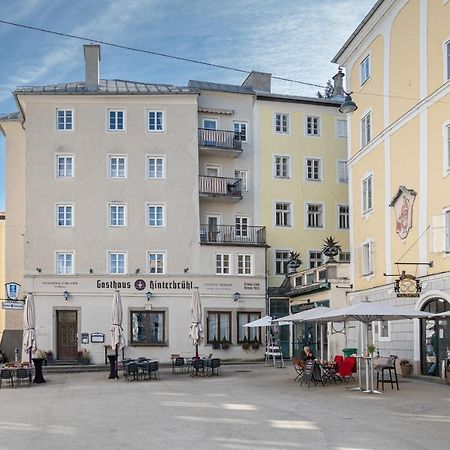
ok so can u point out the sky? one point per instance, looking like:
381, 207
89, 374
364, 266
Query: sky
293, 39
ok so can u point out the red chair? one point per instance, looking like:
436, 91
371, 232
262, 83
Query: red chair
344, 370
352, 361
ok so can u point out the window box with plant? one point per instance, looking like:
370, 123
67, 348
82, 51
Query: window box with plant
84, 357
245, 344
405, 368
215, 344
255, 344
225, 344
50, 359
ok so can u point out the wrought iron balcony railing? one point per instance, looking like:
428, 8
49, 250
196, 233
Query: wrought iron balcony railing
219, 139
232, 234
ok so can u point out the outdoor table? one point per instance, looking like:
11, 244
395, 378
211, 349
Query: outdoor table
328, 371
369, 367
113, 372
359, 387
38, 375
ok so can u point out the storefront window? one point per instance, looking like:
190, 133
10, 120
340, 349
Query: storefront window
245, 332
147, 327
219, 326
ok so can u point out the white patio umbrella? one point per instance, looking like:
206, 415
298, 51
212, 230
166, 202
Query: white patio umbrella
29, 324
196, 331
265, 321
444, 314
117, 339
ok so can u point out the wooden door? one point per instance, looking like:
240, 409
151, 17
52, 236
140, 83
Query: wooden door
66, 329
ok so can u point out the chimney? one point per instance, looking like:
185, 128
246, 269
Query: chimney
338, 79
259, 81
92, 66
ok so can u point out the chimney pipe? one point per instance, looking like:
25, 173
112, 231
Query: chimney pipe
338, 79
92, 66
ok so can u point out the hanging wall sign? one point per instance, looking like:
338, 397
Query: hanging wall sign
403, 207
12, 290
407, 286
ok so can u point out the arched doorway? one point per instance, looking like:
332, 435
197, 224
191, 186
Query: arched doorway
434, 337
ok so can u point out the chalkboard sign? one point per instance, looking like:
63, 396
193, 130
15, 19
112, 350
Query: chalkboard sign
311, 372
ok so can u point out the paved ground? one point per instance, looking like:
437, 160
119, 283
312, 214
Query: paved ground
249, 407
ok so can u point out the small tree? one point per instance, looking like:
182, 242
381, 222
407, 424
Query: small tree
327, 91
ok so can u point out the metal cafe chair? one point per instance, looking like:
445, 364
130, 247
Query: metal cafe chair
178, 363
23, 374
7, 375
214, 367
391, 369
153, 370
132, 370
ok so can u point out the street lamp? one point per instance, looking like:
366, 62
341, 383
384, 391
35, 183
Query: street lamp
236, 296
349, 105
66, 295
149, 295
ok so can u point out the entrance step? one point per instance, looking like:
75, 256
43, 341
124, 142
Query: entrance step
62, 362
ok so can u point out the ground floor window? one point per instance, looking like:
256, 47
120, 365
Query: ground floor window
147, 327
219, 326
244, 332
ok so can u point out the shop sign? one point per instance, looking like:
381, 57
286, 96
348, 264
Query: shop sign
97, 337
85, 338
12, 305
12, 290
407, 286
140, 284
403, 207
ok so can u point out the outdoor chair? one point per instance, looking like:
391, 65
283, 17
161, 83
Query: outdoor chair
6, 374
132, 370
214, 367
144, 370
299, 365
23, 374
352, 361
178, 363
153, 372
391, 369
198, 367
344, 370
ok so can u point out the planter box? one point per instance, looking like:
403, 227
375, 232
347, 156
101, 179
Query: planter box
406, 370
84, 361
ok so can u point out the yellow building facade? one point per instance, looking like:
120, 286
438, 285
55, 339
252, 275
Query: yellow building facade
2, 269
398, 68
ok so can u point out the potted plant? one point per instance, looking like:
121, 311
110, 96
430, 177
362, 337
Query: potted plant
49, 357
405, 367
215, 344
245, 344
371, 350
255, 344
294, 262
331, 248
39, 354
225, 344
84, 357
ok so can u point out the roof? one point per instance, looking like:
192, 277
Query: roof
10, 116
230, 88
298, 99
356, 32
120, 87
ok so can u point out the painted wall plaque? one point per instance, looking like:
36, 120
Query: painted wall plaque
403, 208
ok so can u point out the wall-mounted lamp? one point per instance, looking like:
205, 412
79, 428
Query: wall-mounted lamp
137, 270
236, 296
349, 105
186, 270
91, 270
39, 269
66, 295
149, 295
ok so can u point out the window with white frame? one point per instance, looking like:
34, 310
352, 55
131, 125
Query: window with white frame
367, 258
341, 127
313, 169
240, 131
64, 119
117, 263
366, 129
243, 175
244, 264
223, 263
447, 231
64, 263
116, 120
64, 166
155, 167
382, 330
64, 215
314, 215
282, 166
315, 258
364, 70
155, 215
312, 126
342, 172
117, 167
281, 123
344, 257
367, 194
156, 262
283, 214
117, 215
447, 59
156, 121
343, 217
281, 262
241, 226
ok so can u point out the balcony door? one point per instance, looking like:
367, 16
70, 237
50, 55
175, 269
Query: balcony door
210, 138
213, 227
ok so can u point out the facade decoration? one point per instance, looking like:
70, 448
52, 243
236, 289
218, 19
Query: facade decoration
403, 207
407, 286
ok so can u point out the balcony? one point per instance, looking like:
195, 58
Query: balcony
218, 142
220, 188
232, 235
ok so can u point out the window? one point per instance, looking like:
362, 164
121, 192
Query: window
366, 129
367, 258
117, 263
243, 175
155, 215
218, 326
447, 146
245, 264
117, 216
314, 215
156, 121
282, 166
364, 70
367, 194
117, 167
156, 262
64, 166
312, 126
147, 327
241, 229
240, 131
315, 258
245, 332
212, 171
64, 119
313, 169
341, 128
382, 330
64, 215
155, 165
223, 264
343, 217
447, 59
281, 262
64, 263
344, 257
283, 214
342, 172
116, 120
281, 123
